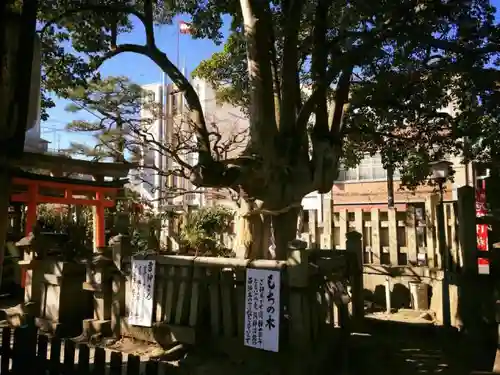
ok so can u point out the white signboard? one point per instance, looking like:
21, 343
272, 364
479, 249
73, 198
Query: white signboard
142, 289
262, 309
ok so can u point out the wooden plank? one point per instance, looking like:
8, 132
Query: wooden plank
17, 352
69, 357
375, 225
6, 350
182, 296
430, 214
151, 368
325, 306
83, 366
296, 326
343, 227
335, 312
195, 297
411, 235
47, 161
133, 364
240, 303
213, 262
116, 363
55, 356
42, 350
313, 228
169, 299
213, 290
226, 291
165, 368
446, 214
317, 315
159, 292
393, 237
453, 243
327, 215
358, 221
99, 367
306, 317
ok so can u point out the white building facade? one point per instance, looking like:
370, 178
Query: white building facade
227, 120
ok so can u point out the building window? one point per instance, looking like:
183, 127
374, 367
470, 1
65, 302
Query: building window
174, 104
369, 169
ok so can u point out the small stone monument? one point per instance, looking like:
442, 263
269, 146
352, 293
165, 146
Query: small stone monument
100, 272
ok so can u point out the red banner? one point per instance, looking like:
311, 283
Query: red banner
482, 229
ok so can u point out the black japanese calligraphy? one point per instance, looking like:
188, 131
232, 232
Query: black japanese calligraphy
270, 322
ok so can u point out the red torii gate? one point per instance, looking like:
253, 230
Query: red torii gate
70, 191
33, 189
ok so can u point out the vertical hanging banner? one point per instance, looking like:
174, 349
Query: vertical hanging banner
141, 289
483, 264
262, 309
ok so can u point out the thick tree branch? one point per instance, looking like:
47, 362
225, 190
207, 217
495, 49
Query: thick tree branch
289, 66
257, 26
275, 72
341, 99
148, 23
182, 83
319, 69
449, 46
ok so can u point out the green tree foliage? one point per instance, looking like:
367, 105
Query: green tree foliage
404, 78
323, 79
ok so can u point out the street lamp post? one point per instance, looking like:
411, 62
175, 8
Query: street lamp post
440, 171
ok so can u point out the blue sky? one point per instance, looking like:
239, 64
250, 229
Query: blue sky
138, 68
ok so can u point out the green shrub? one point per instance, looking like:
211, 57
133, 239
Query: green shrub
203, 229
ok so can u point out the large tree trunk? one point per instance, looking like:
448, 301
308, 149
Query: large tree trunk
256, 227
252, 232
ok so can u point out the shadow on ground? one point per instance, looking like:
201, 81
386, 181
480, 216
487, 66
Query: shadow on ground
397, 348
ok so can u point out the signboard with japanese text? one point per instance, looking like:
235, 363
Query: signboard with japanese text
482, 229
262, 309
141, 290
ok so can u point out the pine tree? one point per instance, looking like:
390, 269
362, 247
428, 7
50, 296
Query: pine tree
114, 105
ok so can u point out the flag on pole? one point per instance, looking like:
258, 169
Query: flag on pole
185, 27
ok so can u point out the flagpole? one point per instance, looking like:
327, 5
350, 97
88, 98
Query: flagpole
178, 43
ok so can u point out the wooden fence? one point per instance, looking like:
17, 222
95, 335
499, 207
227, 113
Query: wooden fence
204, 297
393, 237
25, 352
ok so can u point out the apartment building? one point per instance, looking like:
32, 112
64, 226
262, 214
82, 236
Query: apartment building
172, 124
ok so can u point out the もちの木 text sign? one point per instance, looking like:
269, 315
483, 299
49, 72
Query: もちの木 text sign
141, 290
262, 309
